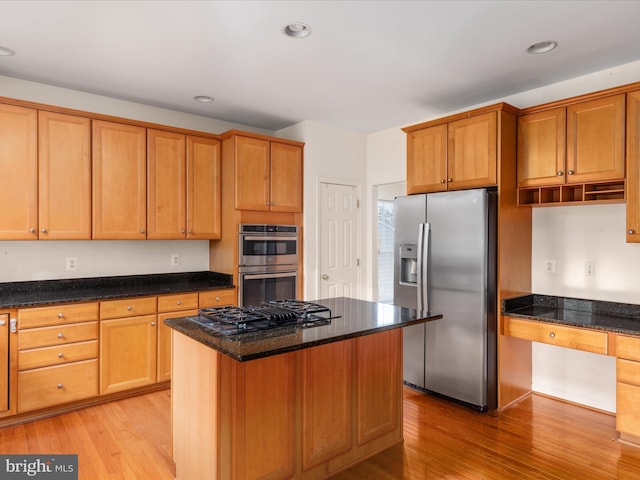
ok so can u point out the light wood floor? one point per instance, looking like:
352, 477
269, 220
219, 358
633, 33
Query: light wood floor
540, 438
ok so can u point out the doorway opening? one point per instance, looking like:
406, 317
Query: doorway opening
386, 195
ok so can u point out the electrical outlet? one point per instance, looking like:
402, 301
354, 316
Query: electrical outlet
590, 269
550, 266
175, 260
72, 264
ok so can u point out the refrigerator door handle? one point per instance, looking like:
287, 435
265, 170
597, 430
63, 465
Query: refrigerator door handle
423, 270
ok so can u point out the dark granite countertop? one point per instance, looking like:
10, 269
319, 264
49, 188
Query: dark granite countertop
357, 318
49, 292
607, 316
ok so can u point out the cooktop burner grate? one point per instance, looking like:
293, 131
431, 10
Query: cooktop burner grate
231, 320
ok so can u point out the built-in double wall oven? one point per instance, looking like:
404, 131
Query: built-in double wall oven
267, 263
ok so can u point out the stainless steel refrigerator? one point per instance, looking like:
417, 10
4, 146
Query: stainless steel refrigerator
445, 262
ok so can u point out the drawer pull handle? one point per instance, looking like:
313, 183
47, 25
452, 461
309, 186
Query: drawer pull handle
61, 355
60, 385
552, 335
129, 308
61, 335
60, 315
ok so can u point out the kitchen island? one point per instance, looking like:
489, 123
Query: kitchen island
297, 403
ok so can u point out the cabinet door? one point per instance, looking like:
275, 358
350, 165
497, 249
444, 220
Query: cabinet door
119, 181
4, 363
286, 178
127, 353
166, 187
633, 167
427, 160
203, 188
595, 140
164, 343
252, 173
19, 167
541, 148
472, 152
64, 177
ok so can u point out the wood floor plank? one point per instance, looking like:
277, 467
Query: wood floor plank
538, 439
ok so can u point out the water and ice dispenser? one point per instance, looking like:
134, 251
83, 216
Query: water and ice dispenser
409, 264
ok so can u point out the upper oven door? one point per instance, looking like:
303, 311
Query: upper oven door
267, 249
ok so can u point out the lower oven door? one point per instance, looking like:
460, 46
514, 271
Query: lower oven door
257, 287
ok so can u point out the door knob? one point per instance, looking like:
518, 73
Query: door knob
325, 276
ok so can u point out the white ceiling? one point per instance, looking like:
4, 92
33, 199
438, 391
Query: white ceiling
367, 66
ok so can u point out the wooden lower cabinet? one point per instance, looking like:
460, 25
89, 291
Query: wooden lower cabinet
628, 387
4, 362
305, 414
128, 353
218, 298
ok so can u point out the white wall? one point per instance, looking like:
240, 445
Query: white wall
568, 234
335, 155
44, 260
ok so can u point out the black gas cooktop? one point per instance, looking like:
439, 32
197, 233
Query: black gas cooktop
233, 321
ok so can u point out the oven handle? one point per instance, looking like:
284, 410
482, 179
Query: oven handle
268, 237
258, 276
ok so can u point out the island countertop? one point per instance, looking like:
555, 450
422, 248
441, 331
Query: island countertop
355, 318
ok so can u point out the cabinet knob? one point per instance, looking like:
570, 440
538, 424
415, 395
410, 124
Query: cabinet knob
60, 385
449, 180
570, 172
325, 276
129, 308
179, 302
217, 299
32, 230
61, 355
182, 231
2, 323
631, 231
60, 315
190, 232
267, 203
44, 230
552, 335
153, 324
560, 173
142, 230
61, 335
442, 180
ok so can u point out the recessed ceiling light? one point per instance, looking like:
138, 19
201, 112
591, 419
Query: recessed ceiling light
297, 30
203, 99
542, 47
6, 52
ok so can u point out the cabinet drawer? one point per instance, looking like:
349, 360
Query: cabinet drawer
628, 371
129, 307
218, 298
58, 315
173, 303
59, 335
552, 334
628, 347
627, 411
44, 387
48, 356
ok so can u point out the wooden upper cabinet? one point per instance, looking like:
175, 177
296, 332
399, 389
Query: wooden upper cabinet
541, 148
252, 173
64, 166
203, 188
268, 175
19, 167
633, 167
119, 181
472, 152
595, 140
166, 186
285, 178
427, 160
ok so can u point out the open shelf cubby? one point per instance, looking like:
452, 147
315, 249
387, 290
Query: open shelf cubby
594, 192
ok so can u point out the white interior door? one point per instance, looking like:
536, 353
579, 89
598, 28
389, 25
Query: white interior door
339, 229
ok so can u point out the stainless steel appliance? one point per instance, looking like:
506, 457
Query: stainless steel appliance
274, 314
267, 263
445, 262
